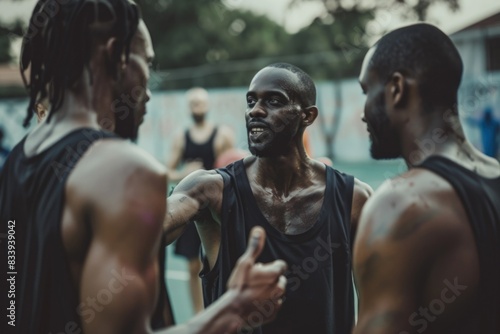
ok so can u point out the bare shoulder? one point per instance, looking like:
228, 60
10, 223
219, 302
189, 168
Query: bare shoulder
114, 173
416, 204
116, 160
362, 191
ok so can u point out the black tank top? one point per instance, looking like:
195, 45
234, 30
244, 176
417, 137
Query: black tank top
204, 151
319, 297
481, 199
32, 191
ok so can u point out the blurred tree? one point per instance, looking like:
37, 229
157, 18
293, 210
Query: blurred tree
7, 33
208, 36
410, 9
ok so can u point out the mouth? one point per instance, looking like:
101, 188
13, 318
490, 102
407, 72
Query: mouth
258, 133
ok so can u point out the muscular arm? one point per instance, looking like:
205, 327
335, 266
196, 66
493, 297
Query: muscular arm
119, 278
200, 193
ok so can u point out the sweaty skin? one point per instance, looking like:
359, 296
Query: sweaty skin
415, 249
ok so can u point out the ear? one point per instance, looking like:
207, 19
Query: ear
309, 114
112, 50
398, 89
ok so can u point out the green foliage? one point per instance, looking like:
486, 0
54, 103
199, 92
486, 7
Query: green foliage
7, 33
206, 35
340, 43
5, 56
410, 9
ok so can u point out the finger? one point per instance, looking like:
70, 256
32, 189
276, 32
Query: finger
255, 244
279, 291
267, 273
282, 283
245, 263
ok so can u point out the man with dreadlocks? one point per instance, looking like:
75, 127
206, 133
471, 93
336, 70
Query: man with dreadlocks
85, 207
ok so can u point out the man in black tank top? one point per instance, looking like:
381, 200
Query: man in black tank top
308, 210
83, 209
427, 254
197, 147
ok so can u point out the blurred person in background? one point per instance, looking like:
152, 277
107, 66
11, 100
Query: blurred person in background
198, 147
427, 253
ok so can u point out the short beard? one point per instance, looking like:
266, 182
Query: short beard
384, 137
277, 145
125, 122
198, 119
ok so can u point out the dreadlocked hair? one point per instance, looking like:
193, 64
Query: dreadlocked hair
58, 44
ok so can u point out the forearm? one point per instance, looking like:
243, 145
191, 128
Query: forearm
180, 211
220, 317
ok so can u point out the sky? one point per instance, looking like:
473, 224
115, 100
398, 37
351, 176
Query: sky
299, 17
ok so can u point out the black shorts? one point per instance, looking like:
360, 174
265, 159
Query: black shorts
188, 245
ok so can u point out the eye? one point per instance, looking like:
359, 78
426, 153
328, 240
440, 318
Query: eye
275, 101
250, 101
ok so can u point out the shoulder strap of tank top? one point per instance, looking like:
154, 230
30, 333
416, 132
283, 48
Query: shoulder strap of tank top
212, 137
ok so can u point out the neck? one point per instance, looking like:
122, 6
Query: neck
77, 107
285, 172
433, 133
103, 102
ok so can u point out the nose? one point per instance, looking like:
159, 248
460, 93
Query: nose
148, 94
363, 117
256, 111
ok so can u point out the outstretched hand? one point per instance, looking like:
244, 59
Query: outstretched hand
260, 287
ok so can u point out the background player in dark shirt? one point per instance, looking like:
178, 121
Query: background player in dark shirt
196, 148
427, 254
296, 198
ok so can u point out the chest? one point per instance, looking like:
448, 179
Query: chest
294, 213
